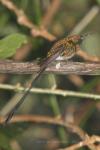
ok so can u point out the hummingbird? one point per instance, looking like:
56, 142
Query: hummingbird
63, 49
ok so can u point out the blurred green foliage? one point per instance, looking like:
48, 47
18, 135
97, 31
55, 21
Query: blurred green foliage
4, 142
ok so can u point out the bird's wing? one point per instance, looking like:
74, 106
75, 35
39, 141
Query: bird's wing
52, 55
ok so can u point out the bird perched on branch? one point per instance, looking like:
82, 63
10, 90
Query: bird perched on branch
63, 49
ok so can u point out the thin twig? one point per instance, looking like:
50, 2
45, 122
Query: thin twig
52, 91
80, 68
88, 57
86, 20
46, 119
22, 19
87, 140
50, 13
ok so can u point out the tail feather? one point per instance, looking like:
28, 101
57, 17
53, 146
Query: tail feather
25, 93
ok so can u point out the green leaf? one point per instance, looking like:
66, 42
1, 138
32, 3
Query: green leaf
10, 44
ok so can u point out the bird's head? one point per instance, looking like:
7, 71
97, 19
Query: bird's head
78, 39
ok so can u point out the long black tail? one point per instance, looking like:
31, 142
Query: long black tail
25, 93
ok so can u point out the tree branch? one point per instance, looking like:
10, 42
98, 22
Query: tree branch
52, 91
86, 139
22, 19
79, 68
